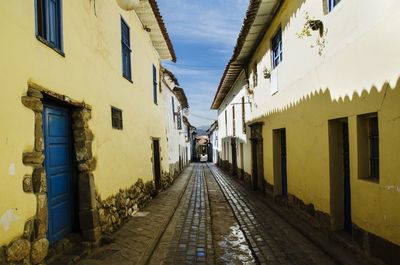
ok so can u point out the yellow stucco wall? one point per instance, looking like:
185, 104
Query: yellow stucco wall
357, 73
91, 71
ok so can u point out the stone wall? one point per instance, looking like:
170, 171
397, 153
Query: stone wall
118, 208
306, 212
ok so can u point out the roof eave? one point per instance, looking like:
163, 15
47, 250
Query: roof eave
240, 57
158, 32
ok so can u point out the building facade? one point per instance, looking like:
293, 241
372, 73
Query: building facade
322, 130
177, 124
82, 120
212, 133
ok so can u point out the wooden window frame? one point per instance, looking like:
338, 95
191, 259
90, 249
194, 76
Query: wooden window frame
368, 147
126, 51
49, 26
173, 107
243, 116
373, 147
116, 118
226, 123
276, 48
233, 121
255, 75
155, 85
332, 4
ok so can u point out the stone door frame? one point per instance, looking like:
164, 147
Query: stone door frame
36, 183
257, 156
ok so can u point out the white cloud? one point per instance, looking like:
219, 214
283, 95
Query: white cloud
199, 29
211, 21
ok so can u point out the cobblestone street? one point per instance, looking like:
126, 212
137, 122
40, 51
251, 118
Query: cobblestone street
207, 218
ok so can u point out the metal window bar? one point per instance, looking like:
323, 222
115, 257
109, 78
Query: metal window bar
373, 147
116, 116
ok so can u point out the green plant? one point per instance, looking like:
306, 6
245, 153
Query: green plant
312, 24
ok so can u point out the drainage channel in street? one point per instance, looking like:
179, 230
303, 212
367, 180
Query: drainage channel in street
203, 229
271, 238
188, 237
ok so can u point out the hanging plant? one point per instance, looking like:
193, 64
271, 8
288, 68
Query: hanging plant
311, 24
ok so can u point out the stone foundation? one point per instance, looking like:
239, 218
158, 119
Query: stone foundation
118, 208
376, 246
306, 212
174, 169
247, 179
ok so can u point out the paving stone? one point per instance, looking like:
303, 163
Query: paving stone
262, 227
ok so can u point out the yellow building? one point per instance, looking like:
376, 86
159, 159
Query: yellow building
321, 83
82, 124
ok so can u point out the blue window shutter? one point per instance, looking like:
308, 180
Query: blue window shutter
277, 52
173, 108
155, 84
332, 4
49, 22
53, 25
126, 51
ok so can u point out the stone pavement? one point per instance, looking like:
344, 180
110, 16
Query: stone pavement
135, 241
207, 218
272, 239
191, 242
203, 229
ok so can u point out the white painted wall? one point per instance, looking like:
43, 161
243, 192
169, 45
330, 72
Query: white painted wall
225, 130
177, 139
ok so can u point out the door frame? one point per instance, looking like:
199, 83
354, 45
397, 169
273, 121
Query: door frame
241, 151
257, 157
234, 157
280, 162
81, 114
156, 172
340, 202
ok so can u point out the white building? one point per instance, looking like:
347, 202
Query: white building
177, 125
232, 133
213, 153
319, 85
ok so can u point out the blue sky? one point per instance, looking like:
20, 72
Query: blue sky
203, 33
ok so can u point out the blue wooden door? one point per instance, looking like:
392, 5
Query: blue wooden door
57, 139
283, 163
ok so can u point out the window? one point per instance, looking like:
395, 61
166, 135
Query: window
126, 51
49, 23
368, 146
155, 85
116, 118
373, 137
243, 117
226, 123
277, 48
179, 121
173, 108
255, 75
332, 4
233, 121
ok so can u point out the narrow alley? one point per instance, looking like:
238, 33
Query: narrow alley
207, 218
200, 132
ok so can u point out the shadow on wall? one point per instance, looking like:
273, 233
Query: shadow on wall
310, 183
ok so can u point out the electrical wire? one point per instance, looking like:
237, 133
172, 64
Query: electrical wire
189, 66
201, 117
